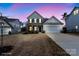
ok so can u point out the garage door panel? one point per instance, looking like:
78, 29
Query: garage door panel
52, 28
5, 31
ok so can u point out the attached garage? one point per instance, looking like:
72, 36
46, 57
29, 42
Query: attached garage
5, 26
6, 30
52, 25
52, 28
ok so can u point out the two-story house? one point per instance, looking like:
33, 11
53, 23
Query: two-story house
35, 23
72, 20
52, 25
16, 24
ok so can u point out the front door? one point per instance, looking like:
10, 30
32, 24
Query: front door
40, 28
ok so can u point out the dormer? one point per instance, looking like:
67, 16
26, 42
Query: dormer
76, 11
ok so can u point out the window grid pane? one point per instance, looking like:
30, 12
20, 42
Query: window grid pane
76, 12
30, 21
35, 20
35, 28
30, 28
39, 20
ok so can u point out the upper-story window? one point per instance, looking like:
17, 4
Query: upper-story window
35, 20
76, 12
30, 20
39, 20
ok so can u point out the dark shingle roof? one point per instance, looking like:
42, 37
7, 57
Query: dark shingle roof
72, 11
50, 21
11, 19
5, 19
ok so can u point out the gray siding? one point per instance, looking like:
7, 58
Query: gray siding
5, 30
71, 22
6, 27
16, 26
36, 16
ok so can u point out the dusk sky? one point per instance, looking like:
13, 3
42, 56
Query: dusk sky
23, 10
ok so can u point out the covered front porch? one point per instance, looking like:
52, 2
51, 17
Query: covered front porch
35, 29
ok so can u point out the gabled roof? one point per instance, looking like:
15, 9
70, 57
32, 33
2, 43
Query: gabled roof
12, 19
72, 11
4, 18
45, 19
33, 13
53, 21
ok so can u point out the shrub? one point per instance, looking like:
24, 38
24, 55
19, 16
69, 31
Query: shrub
64, 30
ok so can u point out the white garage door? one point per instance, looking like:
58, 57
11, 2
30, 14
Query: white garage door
52, 28
5, 31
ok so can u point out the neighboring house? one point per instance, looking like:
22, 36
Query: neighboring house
6, 27
52, 25
72, 20
10, 25
16, 24
22, 24
35, 22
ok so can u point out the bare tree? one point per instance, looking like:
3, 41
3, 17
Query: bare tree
64, 16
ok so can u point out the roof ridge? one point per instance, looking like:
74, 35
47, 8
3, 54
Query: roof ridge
7, 22
36, 13
72, 11
56, 19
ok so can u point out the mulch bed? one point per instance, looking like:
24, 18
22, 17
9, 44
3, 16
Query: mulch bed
5, 50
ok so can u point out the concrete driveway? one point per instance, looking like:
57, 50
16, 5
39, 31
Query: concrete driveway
70, 43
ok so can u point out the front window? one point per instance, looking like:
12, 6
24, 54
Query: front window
30, 28
39, 20
76, 12
35, 28
76, 27
35, 20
